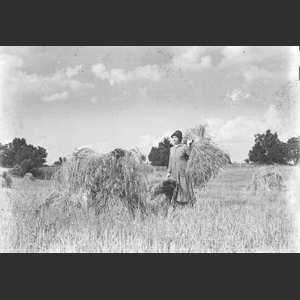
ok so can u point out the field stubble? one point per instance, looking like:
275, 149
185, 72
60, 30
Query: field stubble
224, 219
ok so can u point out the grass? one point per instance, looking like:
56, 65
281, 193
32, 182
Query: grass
225, 219
5, 223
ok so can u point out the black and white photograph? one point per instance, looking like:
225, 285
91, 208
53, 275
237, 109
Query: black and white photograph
149, 149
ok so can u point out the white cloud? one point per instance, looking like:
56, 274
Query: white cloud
272, 117
54, 154
253, 72
244, 57
100, 71
118, 75
57, 96
233, 51
237, 135
4, 140
150, 72
60, 78
9, 62
242, 129
72, 71
94, 99
239, 129
14, 80
214, 124
205, 62
240, 56
148, 141
190, 60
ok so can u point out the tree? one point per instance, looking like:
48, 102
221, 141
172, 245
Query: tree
36, 155
268, 149
17, 151
3, 148
154, 157
293, 149
159, 156
11, 150
60, 161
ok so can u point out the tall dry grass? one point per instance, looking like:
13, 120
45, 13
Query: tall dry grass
224, 219
100, 178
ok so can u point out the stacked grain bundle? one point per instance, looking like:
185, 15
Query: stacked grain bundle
169, 188
6, 180
206, 158
119, 173
265, 180
28, 177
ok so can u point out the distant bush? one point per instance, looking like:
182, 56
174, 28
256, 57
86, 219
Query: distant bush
15, 171
26, 166
20, 170
44, 172
37, 172
147, 168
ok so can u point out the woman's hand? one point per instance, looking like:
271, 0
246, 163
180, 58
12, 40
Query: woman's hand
190, 142
168, 175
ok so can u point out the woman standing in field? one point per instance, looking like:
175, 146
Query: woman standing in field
179, 155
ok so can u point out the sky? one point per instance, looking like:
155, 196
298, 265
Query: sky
65, 98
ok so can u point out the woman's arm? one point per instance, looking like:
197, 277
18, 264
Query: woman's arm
188, 147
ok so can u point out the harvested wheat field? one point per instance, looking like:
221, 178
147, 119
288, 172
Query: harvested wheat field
5, 217
224, 119
226, 218
5, 222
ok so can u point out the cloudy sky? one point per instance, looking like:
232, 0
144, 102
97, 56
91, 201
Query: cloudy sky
62, 98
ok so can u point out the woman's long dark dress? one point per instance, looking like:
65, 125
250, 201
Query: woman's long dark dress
179, 155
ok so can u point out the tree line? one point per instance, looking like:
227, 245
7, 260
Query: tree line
23, 157
267, 150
